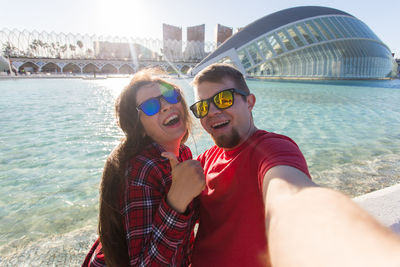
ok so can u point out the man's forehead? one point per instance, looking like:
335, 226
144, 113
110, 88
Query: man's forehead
207, 89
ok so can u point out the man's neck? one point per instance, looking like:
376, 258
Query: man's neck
249, 134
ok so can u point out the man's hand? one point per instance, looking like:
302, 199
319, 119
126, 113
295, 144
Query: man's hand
188, 181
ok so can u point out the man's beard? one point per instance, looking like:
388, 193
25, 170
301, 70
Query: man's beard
227, 141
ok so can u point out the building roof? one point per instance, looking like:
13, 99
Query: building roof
271, 22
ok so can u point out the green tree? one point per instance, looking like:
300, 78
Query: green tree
79, 44
10, 50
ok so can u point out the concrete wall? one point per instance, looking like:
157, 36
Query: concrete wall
384, 205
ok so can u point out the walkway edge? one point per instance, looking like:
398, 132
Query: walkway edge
384, 205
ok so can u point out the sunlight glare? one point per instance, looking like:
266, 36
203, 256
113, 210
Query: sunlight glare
127, 18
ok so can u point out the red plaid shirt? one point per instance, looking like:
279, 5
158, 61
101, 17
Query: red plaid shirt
156, 234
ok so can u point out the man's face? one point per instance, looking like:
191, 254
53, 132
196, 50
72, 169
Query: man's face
228, 127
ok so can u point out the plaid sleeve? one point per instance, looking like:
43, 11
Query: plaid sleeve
154, 230
95, 257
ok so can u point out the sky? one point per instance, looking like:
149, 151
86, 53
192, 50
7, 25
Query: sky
144, 18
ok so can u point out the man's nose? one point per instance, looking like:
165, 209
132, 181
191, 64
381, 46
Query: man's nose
212, 109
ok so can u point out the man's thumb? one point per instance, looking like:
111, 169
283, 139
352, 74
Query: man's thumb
172, 158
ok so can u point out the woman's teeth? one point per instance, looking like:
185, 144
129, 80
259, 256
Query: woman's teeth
171, 120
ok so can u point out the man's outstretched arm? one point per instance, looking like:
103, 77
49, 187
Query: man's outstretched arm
308, 225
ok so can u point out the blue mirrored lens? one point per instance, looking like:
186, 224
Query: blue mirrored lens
172, 96
150, 107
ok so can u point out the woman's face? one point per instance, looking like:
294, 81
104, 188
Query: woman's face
167, 127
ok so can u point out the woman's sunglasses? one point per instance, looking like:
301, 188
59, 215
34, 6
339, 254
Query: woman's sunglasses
152, 105
221, 100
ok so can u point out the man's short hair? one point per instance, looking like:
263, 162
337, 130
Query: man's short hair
218, 72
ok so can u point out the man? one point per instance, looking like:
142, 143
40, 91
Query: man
232, 218
260, 207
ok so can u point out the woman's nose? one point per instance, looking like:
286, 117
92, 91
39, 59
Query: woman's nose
165, 105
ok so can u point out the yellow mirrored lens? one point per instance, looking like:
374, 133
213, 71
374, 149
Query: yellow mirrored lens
224, 99
202, 108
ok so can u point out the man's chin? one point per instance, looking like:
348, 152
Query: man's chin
227, 141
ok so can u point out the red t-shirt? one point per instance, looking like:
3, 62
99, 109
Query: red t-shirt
232, 217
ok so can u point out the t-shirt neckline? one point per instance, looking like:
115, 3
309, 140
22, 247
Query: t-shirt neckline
234, 152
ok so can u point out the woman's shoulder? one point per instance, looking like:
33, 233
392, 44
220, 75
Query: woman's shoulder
147, 168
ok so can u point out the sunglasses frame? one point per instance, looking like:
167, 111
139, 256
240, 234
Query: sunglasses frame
158, 98
211, 99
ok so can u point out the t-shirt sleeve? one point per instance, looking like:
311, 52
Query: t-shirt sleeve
281, 151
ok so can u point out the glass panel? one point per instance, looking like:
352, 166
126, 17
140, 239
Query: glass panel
355, 47
275, 45
314, 61
340, 27
347, 26
313, 31
244, 59
352, 26
305, 34
262, 44
360, 30
332, 28
286, 42
275, 67
302, 63
310, 62
323, 60
363, 50
370, 33
295, 37
318, 61
294, 64
328, 35
226, 60
279, 67
255, 55
286, 66
266, 69
289, 65
301, 37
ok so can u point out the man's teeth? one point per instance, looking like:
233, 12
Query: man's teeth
173, 117
219, 124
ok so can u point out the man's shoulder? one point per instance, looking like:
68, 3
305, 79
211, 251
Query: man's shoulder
211, 151
262, 136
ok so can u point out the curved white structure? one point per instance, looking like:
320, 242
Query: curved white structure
4, 66
306, 42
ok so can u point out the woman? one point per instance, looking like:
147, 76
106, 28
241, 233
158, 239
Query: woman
145, 217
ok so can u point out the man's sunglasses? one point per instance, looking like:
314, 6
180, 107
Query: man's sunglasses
221, 100
152, 105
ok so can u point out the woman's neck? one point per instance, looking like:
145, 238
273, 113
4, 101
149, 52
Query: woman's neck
172, 147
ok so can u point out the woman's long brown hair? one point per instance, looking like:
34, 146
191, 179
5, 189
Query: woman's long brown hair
112, 187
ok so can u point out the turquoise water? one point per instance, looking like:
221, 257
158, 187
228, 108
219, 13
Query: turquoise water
55, 135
